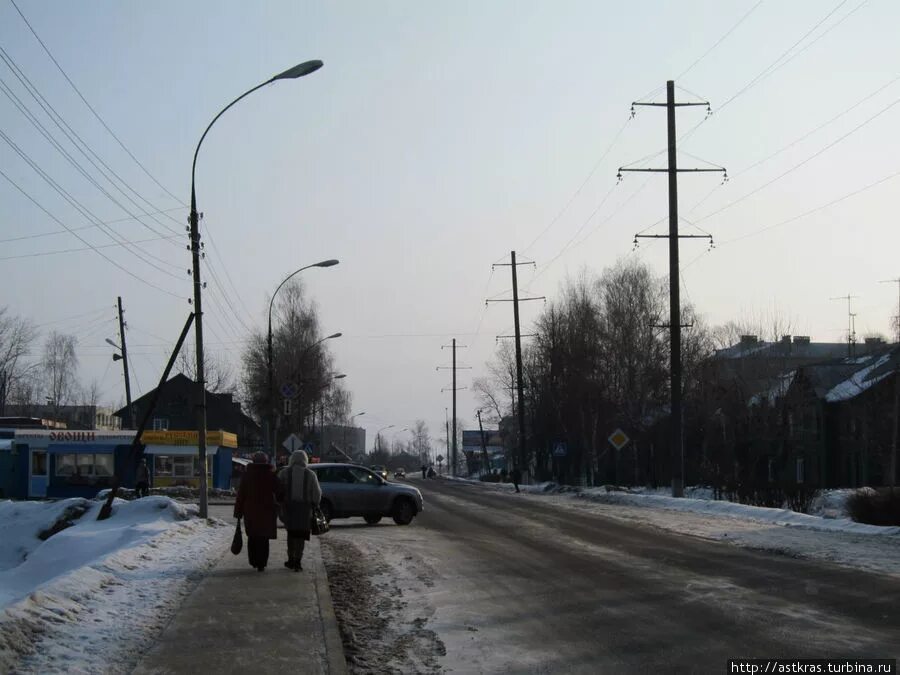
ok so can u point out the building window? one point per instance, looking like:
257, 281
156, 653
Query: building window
800, 469
38, 463
87, 465
160, 424
179, 466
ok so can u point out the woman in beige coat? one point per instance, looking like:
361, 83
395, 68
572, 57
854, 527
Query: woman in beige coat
301, 491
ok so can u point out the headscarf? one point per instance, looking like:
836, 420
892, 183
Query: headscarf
297, 466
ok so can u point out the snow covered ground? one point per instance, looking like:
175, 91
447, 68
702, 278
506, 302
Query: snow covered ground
827, 535
93, 596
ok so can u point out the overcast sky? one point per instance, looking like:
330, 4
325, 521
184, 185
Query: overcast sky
438, 137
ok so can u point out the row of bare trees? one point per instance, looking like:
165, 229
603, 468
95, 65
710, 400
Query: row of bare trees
31, 376
599, 361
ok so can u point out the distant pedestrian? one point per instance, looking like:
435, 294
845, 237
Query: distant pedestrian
424, 470
256, 504
300, 491
142, 479
516, 476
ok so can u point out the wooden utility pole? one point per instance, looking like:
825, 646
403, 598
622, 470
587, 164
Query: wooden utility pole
451, 445
520, 386
129, 412
675, 326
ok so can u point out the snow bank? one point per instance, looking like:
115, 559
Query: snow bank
94, 595
828, 511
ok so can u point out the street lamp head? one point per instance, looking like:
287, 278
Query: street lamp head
110, 341
339, 377
327, 263
117, 357
299, 70
334, 335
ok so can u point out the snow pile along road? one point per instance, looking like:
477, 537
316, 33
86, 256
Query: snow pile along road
81, 595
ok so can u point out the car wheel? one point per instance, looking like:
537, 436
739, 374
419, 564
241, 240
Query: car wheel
372, 520
326, 510
404, 511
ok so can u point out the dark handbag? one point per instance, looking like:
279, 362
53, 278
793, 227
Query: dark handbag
238, 542
317, 523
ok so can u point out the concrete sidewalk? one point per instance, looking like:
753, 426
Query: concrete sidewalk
241, 620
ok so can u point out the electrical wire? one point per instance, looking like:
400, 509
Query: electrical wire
719, 41
813, 210
580, 187
84, 211
90, 107
805, 161
85, 242
41, 254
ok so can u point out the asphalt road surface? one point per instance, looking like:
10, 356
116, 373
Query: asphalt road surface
511, 584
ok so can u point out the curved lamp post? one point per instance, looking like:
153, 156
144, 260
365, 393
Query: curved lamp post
351, 424
291, 73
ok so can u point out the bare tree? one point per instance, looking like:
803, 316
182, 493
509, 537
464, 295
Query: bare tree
60, 369
421, 441
16, 337
217, 370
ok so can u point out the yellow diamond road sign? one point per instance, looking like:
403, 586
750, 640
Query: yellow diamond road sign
618, 438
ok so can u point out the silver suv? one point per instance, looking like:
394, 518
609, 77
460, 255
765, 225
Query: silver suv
350, 490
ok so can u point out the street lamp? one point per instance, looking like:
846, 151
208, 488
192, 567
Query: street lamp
194, 219
351, 424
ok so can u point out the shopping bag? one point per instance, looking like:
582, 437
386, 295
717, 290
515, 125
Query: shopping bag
238, 542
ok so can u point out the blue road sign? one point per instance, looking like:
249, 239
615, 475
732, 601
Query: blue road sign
560, 449
308, 448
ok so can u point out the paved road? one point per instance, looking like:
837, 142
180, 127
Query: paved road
560, 591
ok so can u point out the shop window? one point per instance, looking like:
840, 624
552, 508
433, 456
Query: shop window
183, 467
162, 465
65, 465
104, 465
160, 424
38, 463
84, 465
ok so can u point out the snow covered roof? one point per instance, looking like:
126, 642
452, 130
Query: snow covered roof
776, 391
874, 372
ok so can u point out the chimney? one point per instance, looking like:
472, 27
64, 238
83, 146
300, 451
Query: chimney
749, 339
874, 341
785, 339
801, 339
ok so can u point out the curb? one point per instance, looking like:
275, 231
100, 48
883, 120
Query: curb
334, 646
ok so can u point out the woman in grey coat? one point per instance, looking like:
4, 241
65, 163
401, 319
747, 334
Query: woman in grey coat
301, 491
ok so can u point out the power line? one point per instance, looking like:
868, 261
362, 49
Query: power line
84, 211
72, 136
719, 41
41, 254
25, 237
90, 107
796, 141
85, 242
813, 210
805, 161
126, 149
580, 187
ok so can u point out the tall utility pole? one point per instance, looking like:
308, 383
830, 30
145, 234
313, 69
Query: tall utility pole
484, 452
851, 328
451, 445
675, 326
520, 387
129, 413
892, 478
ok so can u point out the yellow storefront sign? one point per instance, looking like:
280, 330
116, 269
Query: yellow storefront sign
223, 439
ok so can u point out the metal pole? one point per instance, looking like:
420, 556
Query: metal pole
271, 416
519, 385
129, 411
453, 452
674, 304
198, 327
